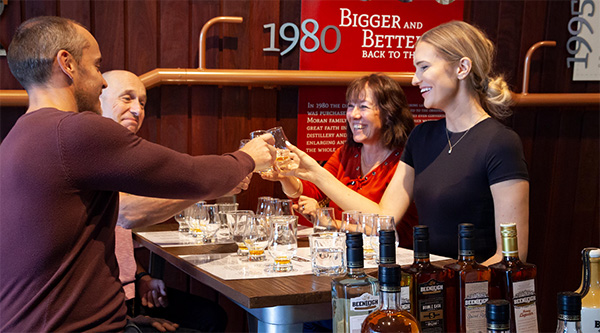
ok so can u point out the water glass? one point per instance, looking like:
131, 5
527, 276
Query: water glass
328, 253
256, 239
325, 220
241, 219
226, 218
282, 241
351, 221
257, 133
210, 222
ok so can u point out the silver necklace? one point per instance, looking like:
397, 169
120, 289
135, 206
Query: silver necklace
448, 136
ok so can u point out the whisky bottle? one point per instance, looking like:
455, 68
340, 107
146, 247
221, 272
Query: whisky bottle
569, 312
389, 316
590, 290
428, 280
514, 281
467, 287
387, 255
354, 295
497, 313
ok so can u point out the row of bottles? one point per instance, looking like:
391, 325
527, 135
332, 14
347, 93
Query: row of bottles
437, 299
463, 296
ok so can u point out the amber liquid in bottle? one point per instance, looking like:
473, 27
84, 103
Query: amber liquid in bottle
514, 281
389, 316
467, 287
428, 292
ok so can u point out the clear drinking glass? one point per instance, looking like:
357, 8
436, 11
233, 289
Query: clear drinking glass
264, 205
226, 218
195, 213
181, 218
242, 217
351, 221
256, 239
368, 228
210, 222
243, 142
283, 162
282, 241
284, 207
256, 134
328, 253
325, 220
382, 222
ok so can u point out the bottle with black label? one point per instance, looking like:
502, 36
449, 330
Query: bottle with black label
428, 280
356, 294
467, 289
590, 290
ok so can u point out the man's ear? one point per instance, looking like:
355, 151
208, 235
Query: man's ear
464, 68
66, 62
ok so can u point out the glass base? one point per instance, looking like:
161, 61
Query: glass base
261, 257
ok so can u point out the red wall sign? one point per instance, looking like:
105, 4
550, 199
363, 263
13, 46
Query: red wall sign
353, 35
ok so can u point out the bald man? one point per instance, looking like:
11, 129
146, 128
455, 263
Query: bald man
124, 101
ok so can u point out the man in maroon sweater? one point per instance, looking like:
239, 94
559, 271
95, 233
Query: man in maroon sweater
61, 169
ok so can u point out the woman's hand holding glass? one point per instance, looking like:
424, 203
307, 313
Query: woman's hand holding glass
307, 167
282, 241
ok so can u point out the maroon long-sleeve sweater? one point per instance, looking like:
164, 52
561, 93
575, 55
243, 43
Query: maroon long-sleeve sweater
60, 174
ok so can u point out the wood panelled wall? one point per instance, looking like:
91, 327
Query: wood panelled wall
561, 143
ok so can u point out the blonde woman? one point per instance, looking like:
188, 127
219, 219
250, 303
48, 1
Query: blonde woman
465, 168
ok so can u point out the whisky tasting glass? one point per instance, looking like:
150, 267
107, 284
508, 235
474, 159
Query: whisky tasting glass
382, 222
351, 221
243, 142
256, 134
241, 220
283, 162
282, 241
194, 214
256, 239
328, 253
265, 206
226, 218
284, 207
181, 218
325, 220
210, 222
367, 223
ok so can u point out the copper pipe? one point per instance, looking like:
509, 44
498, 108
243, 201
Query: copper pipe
251, 77
567, 99
13, 98
202, 39
269, 78
527, 63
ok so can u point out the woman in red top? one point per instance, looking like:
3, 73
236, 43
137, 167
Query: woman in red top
378, 124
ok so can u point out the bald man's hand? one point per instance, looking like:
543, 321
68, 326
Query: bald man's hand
262, 151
